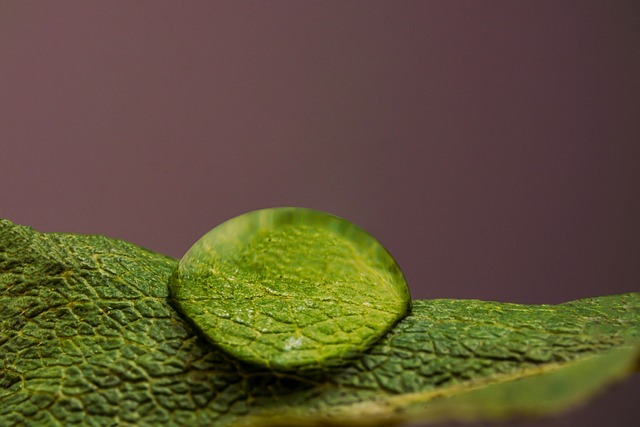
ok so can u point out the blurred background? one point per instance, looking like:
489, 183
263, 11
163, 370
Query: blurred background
493, 147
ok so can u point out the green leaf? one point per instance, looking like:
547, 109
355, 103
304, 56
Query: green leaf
290, 288
87, 336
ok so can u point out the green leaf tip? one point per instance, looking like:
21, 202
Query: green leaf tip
290, 288
88, 337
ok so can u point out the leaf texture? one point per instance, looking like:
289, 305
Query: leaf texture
88, 336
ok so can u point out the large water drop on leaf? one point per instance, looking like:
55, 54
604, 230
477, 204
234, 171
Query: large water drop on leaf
290, 288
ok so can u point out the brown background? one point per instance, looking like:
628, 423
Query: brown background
493, 147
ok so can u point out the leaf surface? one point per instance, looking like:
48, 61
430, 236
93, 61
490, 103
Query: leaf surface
87, 336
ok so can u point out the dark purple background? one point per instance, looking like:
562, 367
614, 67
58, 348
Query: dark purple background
493, 147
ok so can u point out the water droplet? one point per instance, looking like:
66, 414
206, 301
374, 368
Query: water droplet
298, 273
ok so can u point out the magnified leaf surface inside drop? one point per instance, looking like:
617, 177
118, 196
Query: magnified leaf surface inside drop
290, 288
88, 337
